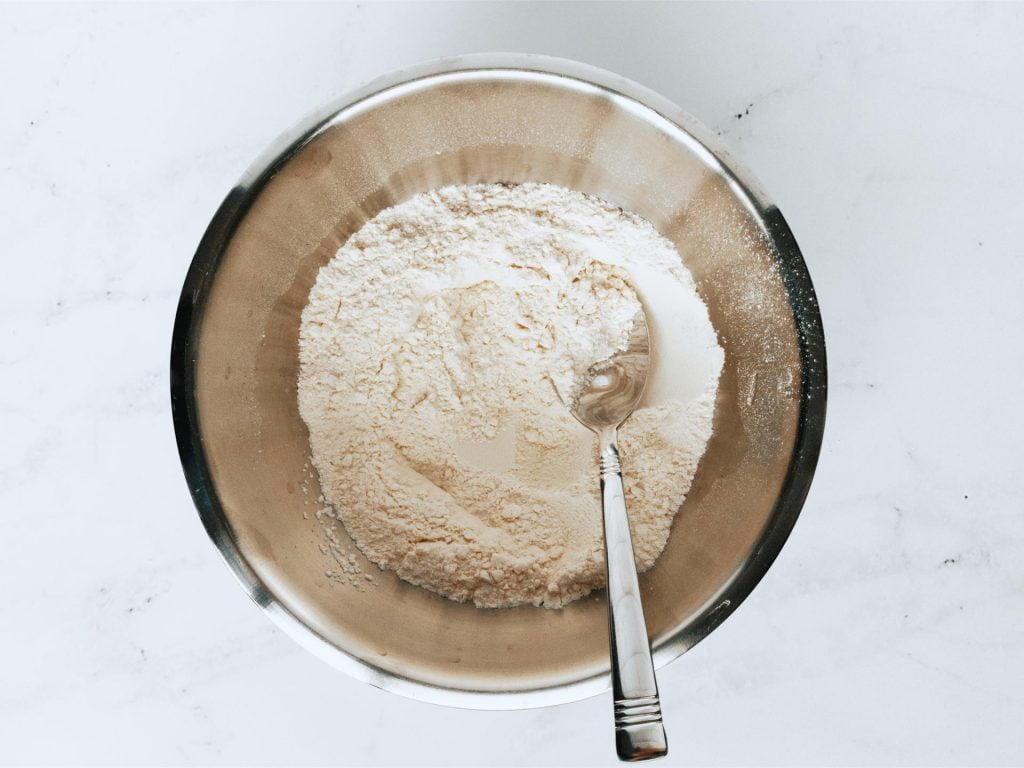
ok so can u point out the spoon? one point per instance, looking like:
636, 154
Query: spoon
605, 398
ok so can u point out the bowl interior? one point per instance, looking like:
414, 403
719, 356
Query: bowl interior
458, 128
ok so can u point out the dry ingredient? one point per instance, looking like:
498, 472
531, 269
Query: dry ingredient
427, 352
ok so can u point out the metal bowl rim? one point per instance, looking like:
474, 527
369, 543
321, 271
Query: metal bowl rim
811, 418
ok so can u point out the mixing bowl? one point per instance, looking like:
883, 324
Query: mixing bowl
490, 118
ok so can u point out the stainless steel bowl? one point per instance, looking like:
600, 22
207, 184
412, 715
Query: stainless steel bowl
486, 119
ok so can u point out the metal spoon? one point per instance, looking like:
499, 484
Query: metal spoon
609, 394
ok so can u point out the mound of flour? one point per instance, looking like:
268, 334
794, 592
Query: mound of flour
427, 355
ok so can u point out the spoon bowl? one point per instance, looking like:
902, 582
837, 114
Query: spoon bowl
611, 389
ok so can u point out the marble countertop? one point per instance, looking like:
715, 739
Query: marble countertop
891, 628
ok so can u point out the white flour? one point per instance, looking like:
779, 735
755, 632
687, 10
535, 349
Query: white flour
425, 354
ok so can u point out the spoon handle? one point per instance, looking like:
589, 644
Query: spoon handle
639, 732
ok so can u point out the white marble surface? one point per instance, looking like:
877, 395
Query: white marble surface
891, 629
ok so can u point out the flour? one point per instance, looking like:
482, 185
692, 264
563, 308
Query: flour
427, 355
